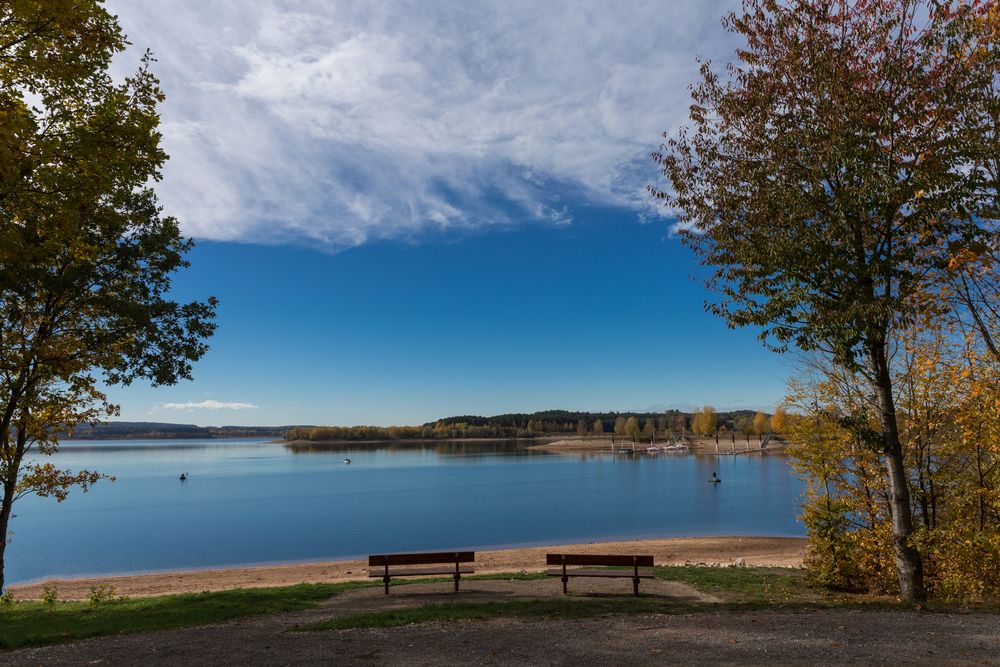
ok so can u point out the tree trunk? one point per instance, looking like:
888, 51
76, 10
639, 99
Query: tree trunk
5, 508
909, 568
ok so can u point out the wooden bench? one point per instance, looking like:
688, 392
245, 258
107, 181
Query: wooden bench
388, 565
640, 567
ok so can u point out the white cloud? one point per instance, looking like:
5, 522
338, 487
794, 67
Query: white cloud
339, 123
208, 405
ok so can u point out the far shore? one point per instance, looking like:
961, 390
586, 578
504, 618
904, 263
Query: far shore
570, 443
700, 445
411, 441
715, 551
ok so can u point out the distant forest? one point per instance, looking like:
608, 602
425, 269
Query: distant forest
546, 423
149, 430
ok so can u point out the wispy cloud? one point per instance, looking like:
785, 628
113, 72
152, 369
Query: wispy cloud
339, 123
208, 405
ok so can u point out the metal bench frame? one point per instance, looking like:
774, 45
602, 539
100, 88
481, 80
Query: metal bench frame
378, 565
634, 562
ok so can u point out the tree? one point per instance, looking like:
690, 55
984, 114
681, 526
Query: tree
948, 406
761, 423
632, 428
745, 426
581, 427
704, 421
598, 426
678, 423
620, 425
779, 420
825, 177
968, 285
86, 257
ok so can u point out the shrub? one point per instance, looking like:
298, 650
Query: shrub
50, 594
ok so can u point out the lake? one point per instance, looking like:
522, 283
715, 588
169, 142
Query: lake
251, 502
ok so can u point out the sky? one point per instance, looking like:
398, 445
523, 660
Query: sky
410, 210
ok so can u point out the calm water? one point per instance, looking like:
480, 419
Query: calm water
248, 501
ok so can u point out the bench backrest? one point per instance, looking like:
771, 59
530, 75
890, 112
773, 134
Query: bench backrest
383, 560
594, 559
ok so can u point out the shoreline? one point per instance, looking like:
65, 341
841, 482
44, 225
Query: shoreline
725, 446
710, 551
409, 441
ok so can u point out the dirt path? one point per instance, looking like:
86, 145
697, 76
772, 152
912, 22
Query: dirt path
824, 637
762, 551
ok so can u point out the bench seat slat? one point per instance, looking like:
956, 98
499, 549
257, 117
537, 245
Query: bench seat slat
418, 571
644, 573
597, 559
422, 558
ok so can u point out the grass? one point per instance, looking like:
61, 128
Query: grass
34, 623
738, 588
750, 585
550, 608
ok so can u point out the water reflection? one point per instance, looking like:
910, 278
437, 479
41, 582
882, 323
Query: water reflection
512, 447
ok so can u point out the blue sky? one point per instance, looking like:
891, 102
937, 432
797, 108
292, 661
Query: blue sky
414, 210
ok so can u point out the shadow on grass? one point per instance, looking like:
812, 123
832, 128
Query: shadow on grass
740, 589
34, 623
25, 624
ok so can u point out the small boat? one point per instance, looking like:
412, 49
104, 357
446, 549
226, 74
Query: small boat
653, 450
715, 479
347, 461
184, 476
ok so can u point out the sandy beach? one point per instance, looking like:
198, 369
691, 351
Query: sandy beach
759, 551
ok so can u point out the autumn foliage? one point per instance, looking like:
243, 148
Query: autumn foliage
86, 255
840, 180
949, 413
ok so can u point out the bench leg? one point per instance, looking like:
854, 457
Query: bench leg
635, 585
385, 580
564, 580
457, 576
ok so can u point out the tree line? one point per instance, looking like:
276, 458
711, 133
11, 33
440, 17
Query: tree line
559, 423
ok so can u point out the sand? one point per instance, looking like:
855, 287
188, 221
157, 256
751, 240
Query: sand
752, 551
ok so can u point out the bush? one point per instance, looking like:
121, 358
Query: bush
50, 595
102, 594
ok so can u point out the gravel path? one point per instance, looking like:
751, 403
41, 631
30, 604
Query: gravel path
823, 637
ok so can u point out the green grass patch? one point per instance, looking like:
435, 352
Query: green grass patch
747, 585
34, 623
738, 588
553, 608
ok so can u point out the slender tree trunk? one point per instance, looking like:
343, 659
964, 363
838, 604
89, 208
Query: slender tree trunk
981, 485
5, 508
909, 568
